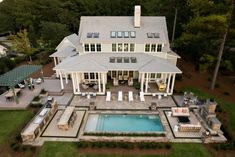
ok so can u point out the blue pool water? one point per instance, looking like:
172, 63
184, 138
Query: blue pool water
128, 123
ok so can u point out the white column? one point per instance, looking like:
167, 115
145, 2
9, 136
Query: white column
173, 83
66, 78
168, 83
61, 80
78, 82
146, 82
142, 82
99, 82
139, 77
73, 79
55, 61
103, 82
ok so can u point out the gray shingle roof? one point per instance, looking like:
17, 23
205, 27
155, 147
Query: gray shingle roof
95, 62
68, 51
105, 24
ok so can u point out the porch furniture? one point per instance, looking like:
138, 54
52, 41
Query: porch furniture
130, 81
108, 96
115, 82
84, 86
21, 85
159, 96
95, 87
125, 77
180, 111
161, 85
130, 95
142, 99
9, 94
66, 118
38, 81
120, 77
120, 96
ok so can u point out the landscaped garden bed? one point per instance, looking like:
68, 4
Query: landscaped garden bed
43, 93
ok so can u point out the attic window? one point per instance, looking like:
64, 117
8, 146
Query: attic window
132, 34
126, 60
126, 34
119, 59
150, 35
96, 35
133, 60
112, 59
119, 34
156, 35
89, 35
113, 34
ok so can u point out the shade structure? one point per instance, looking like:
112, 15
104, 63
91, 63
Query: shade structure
18, 74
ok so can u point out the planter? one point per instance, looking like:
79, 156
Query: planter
43, 94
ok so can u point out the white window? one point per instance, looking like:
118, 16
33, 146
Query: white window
152, 75
114, 47
147, 47
159, 48
86, 47
158, 75
98, 47
92, 47
132, 47
153, 48
126, 47
92, 76
120, 47
86, 76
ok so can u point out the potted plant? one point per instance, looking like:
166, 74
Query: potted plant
43, 93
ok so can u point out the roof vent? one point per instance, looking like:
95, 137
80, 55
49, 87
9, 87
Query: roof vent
137, 16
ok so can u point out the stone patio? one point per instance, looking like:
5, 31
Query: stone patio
52, 129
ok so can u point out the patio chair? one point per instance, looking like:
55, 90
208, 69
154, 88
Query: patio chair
115, 81
142, 99
130, 94
120, 96
84, 86
38, 81
108, 96
21, 85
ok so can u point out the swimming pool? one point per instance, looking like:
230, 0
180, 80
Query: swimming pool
123, 123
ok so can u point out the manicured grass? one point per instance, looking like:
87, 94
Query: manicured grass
229, 107
61, 149
10, 121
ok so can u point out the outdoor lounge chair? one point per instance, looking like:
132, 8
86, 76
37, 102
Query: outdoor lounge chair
108, 96
21, 85
142, 99
120, 96
130, 94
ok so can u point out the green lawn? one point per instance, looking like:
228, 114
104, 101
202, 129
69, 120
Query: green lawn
10, 121
61, 149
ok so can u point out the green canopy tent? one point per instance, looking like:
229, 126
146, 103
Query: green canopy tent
18, 74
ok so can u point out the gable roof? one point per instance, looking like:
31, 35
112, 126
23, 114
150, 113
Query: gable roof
73, 39
105, 24
67, 51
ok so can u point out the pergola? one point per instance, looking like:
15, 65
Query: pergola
18, 74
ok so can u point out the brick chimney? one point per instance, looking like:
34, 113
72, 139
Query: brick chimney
137, 16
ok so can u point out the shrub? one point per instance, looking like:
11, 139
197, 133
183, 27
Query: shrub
217, 85
36, 98
209, 78
43, 91
179, 77
136, 85
108, 85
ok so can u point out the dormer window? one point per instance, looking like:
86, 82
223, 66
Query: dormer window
119, 34
126, 34
113, 34
132, 34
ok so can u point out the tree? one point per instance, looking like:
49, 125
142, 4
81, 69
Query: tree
222, 47
22, 44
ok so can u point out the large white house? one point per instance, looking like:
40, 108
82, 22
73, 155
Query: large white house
119, 50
